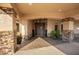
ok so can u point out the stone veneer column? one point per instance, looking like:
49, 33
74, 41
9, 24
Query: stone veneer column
7, 30
68, 28
71, 28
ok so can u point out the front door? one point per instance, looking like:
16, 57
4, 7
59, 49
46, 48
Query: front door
40, 28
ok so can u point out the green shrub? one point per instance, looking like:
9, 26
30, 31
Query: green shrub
55, 34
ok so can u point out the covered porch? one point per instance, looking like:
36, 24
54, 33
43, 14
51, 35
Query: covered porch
32, 21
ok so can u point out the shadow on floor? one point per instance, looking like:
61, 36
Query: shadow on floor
64, 46
25, 43
76, 39
69, 48
55, 41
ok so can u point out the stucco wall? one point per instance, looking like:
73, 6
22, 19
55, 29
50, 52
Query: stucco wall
68, 25
6, 22
7, 29
30, 26
26, 27
65, 25
76, 27
50, 25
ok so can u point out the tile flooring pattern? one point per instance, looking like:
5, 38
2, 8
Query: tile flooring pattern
39, 47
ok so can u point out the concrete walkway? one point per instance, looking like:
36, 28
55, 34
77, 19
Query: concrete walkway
39, 47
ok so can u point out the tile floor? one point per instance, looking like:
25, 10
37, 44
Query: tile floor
39, 47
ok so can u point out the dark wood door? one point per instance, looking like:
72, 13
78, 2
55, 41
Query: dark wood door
40, 27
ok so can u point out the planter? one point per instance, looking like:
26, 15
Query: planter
19, 39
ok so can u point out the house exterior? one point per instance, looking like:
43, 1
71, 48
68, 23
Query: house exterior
35, 20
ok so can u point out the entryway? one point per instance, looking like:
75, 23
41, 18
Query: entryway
40, 27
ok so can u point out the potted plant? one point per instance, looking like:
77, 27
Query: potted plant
19, 38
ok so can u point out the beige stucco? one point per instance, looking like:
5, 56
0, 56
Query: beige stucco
30, 26
65, 25
50, 25
76, 27
6, 22
25, 27
68, 25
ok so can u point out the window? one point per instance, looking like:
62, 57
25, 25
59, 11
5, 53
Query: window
56, 27
17, 25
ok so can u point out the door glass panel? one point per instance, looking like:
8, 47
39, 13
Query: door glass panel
40, 26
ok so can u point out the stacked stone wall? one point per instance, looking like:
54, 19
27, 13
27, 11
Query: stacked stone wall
6, 43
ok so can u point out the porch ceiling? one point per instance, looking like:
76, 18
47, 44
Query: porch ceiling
46, 9
5, 5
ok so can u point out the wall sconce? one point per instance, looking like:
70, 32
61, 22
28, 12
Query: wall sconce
77, 28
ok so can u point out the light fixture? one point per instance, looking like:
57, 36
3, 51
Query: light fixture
77, 28
60, 10
30, 4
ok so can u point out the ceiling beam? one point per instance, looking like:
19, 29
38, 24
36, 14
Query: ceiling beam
8, 10
16, 9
